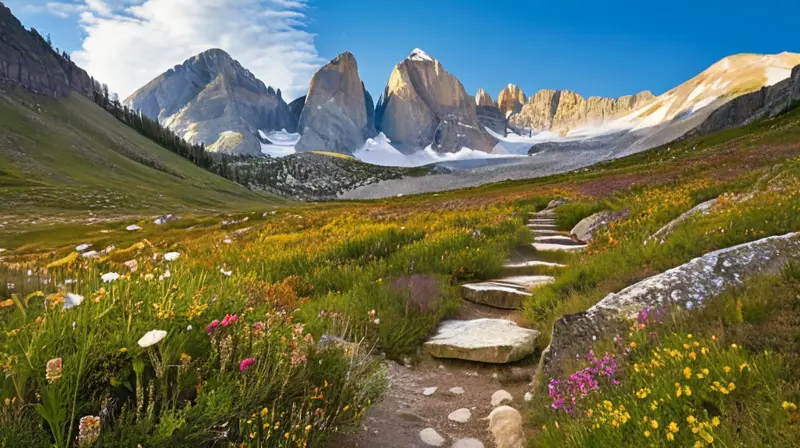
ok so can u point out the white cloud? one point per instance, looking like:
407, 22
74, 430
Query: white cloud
130, 42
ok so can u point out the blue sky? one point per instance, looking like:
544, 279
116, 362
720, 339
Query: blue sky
607, 48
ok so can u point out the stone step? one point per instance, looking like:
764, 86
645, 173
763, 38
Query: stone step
496, 341
543, 226
548, 232
550, 247
542, 221
557, 239
506, 293
534, 263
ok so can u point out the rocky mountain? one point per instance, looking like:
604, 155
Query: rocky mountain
425, 105
768, 102
511, 99
489, 115
336, 113
212, 99
27, 59
483, 99
560, 111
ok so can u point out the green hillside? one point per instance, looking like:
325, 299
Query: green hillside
60, 156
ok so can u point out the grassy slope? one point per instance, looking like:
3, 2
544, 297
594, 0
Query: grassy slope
73, 156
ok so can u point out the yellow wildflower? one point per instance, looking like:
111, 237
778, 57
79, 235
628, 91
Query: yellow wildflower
687, 391
308, 428
654, 424
690, 419
726, 369
670, 436
687, 372
673, 427
715, 421
744, 366
788, 406
647, 433
689, 336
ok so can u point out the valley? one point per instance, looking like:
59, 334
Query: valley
207, 263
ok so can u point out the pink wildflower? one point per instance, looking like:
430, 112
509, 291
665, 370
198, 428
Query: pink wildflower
212, 326
53, 370
246, 364
258, 328
229, 319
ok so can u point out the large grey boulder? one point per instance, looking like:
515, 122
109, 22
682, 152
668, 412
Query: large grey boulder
334, 116
494, 341
587, 227
688, 286
424, 105
212, 99
704, 208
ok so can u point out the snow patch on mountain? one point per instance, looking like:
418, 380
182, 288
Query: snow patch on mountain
419, 55
282, 143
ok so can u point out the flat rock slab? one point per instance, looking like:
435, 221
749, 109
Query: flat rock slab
430, 437
551, 232
542, 221
495, 341
534, 263
537, 225
460, 415
550, 247
557, 239
506, 293
468, 443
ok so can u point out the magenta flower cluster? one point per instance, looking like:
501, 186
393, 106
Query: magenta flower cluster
228, 320
566, 394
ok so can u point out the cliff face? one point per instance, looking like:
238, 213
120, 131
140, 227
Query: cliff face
425, 105
562, 110
511, 99
27, 60
334, 116
210, 97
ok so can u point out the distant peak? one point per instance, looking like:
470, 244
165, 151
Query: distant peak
419, 55
213, 52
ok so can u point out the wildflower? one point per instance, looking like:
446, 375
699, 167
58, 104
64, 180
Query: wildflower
166, 274
152, 337
654, 405
212, 326
132, 265
715, 421
687, 373
707, 437
693, 356
88, 431
690, 419
308, 428
82, 247
171, 256
225, 273
109, 277
189, 327
647, 433
670, 436
246, 364
743, 366
734, 347
53, 370
788, 406
673, 427
687, 391
654, 424
689, 336
229, 319
123, 350
72, 300
259, 327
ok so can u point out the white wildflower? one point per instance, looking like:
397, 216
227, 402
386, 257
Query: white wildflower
132, 228
109, 277
166, 274
189, 327
89, 254
82, 247
224, 272
152, 337
72, 300
171, 256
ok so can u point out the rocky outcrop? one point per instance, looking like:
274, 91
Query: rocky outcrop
27, 60
768, 102
483, 99
334, 116
505, 424
506, 293
424, 105
510, 100
562, 110
704, 208
587, 227
495, 341
210, 94
296, 108
686, 286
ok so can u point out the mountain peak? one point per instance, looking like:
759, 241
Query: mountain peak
419, 55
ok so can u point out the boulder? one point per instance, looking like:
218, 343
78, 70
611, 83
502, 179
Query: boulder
587, 227
686, 286
703, 208
334, 117
501, 397
460, 415
494, 341
430, 437
505, 424
468, 443
424, 105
